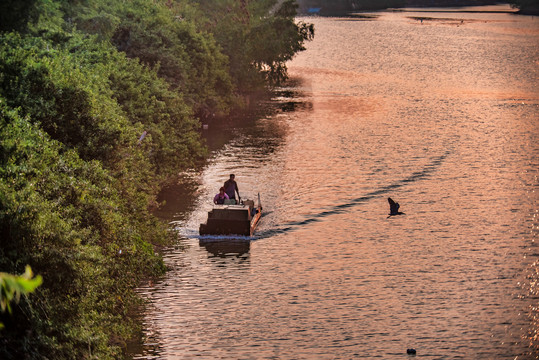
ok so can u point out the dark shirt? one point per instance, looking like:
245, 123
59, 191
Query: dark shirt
230, 188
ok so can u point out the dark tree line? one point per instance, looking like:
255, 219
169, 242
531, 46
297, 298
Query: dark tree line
333, 7
526, 6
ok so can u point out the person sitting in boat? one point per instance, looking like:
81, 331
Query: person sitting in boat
231, 187
220, 198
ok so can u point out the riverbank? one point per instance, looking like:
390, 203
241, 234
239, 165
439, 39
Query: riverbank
100, 103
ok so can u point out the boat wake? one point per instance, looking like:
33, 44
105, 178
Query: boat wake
262, 233
427, 170
193, 234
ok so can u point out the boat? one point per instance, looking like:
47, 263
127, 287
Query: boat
233, 219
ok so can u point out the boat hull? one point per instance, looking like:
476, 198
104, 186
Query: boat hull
224, 227
232, 220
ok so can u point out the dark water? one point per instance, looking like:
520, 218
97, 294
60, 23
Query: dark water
442, 116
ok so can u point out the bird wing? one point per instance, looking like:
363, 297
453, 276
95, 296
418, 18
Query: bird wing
393, 206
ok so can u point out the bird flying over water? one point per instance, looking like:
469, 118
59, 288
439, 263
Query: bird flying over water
394, 207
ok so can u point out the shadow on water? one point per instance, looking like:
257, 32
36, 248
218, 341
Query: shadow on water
220, 132
338, 209
178, 198
223, 248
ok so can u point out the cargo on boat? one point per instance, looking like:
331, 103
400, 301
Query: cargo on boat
232, 219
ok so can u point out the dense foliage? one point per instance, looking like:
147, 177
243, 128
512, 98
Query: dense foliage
258, 36
66, 218
186, 58
100, 102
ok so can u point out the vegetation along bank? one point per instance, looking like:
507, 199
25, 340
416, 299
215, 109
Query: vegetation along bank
100, 102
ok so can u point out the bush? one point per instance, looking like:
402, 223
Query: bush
189, 60
64, 217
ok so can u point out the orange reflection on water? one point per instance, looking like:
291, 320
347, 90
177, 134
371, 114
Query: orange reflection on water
442, 119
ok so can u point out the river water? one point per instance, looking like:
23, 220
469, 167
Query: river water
437, 110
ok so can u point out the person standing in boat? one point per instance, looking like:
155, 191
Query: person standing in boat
231, 187
220, 198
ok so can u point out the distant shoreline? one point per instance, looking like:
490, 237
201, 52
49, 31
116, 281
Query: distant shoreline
452, 9
416, 7
532, 12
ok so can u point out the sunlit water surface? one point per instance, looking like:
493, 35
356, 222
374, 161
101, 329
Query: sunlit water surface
442, 116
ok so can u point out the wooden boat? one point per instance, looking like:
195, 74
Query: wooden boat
233, 219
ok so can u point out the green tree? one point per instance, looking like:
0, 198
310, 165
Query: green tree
274, 40
257, 36
65, 217
188, 59
13, 286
